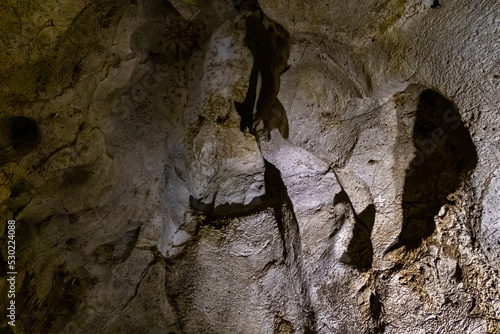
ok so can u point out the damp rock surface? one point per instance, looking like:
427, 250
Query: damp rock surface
219, 166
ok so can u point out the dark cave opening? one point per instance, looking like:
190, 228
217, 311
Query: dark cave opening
19, 135
444, 154
22, 133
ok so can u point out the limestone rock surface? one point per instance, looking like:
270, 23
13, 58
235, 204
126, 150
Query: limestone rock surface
217, 166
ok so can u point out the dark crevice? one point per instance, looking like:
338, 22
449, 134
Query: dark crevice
238, 209
359, 251
380, 328
458, 275
200, 207
261, 111
216, 223
375, 306
220, 215
435, 4
472, 305
445, 154
288, 228
246, 108
367, 217
341, 197
228, 210
277, 193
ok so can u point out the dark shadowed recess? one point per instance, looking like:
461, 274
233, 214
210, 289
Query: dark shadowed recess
359, 253
18, 136
277, 192
376, 307
288, 228
444, 155
269, 44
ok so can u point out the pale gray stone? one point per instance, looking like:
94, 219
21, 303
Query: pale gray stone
216, 166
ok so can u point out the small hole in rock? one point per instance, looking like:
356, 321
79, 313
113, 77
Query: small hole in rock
70, 241
22, 132
18, 136
435, 4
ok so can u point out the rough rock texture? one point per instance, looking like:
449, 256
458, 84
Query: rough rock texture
209, 166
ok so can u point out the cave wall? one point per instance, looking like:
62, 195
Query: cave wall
240, 167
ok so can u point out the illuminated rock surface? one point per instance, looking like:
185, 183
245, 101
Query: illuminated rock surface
212, 166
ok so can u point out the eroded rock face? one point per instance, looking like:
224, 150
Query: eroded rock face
243, 167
